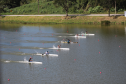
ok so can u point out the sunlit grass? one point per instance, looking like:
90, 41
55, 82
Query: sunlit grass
63, 19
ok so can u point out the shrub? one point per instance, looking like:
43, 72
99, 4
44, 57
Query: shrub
112, 9
72, 9
6, 9
95, 9
81, 11
120, 10
90, 9
105, 22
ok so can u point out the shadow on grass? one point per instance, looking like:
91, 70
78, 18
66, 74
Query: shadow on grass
116, 16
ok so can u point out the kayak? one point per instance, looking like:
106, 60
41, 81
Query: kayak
56, 48
26, 62
86, 34
81, 36
67, 42
47, 55
60, 48
74, 36
29, 62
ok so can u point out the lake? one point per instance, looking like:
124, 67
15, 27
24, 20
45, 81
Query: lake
95, 59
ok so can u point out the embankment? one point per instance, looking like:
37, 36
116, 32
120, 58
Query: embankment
63, 19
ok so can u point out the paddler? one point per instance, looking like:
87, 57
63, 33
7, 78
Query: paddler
30, 59
86, 32
59, 46
46, 52
68, 41
76, 34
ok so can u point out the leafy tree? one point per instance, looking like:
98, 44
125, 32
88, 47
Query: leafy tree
107, 4
81, 4
66, 4
25, 2
121, 4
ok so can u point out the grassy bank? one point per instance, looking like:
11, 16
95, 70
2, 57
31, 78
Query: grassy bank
63, 19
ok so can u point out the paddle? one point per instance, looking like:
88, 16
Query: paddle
32, 58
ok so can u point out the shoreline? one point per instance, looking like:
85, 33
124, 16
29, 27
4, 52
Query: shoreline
62, 19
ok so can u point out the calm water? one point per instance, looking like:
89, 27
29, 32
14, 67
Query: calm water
98, 59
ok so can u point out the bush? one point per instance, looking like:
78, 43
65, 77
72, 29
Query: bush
105, 22
112, 9
90, 10
72, 9
81, 11
6, 9
120, 10
95, 9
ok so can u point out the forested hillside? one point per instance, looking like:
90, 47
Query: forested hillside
61, 6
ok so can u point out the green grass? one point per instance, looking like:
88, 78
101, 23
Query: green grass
62, 19
45, 8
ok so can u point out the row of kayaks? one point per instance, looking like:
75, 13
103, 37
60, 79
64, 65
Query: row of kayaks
25, 61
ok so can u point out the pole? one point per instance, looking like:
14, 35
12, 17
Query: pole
38, 6
115, 7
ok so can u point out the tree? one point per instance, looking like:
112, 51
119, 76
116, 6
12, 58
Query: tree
107, 4
81, 4
66, 4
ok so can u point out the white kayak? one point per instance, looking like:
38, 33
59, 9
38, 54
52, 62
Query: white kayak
80, 36
47, 55
57, 48
86, 34
74, 36
30, 62
60, 48
67, 42
33, 62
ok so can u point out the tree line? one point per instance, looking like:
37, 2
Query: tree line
86, 4
83, 5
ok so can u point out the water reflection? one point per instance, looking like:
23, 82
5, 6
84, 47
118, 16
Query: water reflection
81, 64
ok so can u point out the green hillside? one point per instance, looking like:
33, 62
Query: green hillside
32, 8
47, 7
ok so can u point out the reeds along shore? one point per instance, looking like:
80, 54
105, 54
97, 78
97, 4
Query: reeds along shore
63, 19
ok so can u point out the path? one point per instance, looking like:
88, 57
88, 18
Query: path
69, 15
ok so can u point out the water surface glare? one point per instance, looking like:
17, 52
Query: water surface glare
96, 59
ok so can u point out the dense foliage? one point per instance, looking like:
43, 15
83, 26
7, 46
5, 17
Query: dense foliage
66, 4
60, 6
